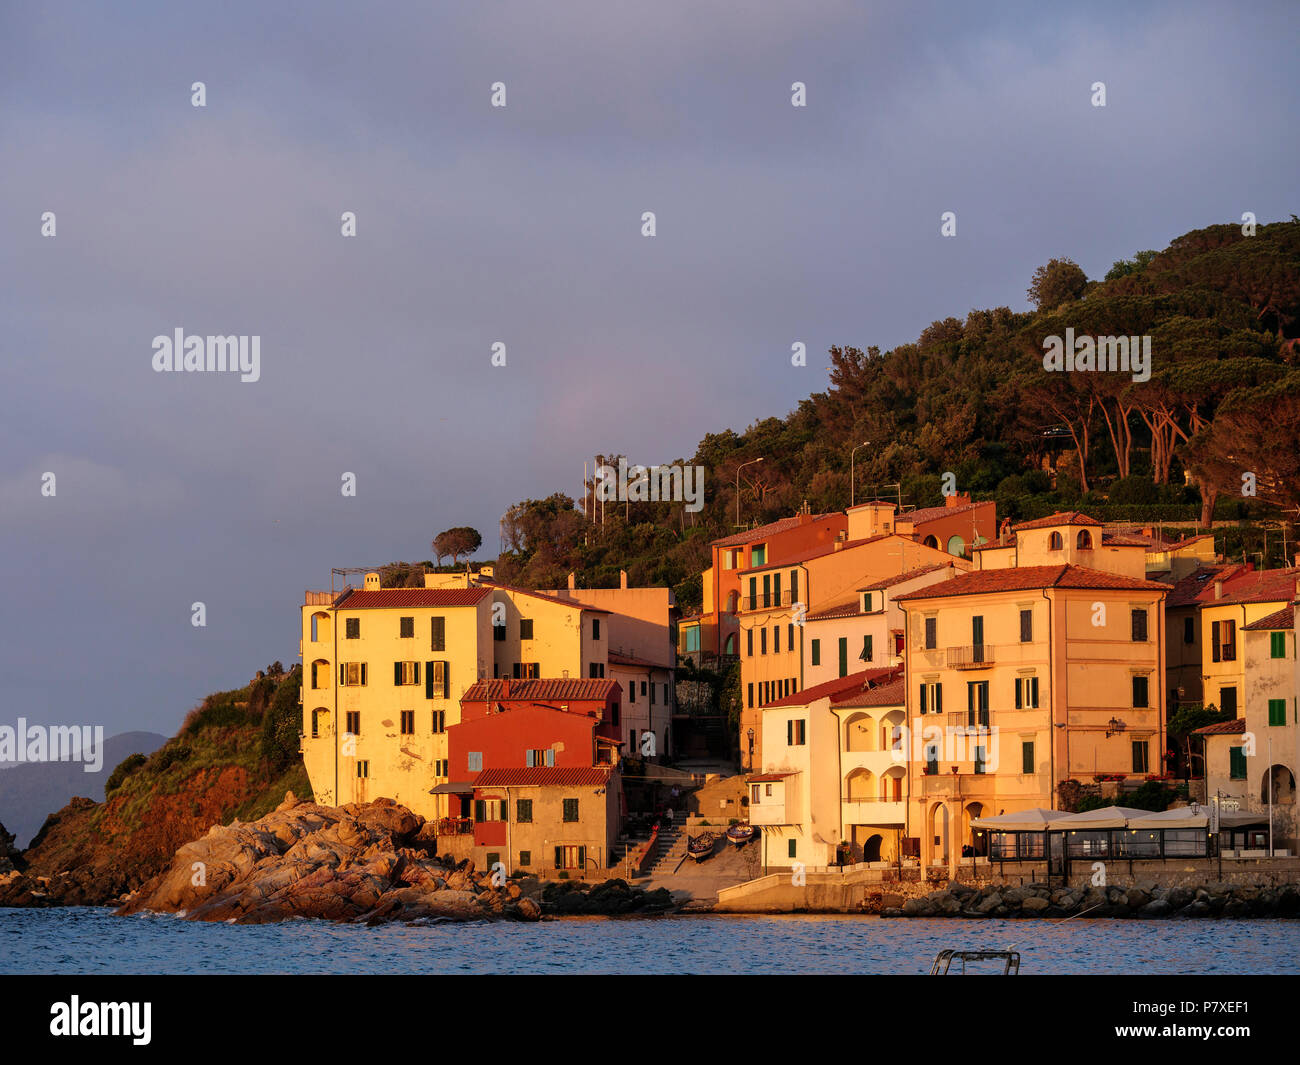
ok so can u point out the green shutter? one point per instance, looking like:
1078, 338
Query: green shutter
1027, 756
1236, 763
938, 698
1277, 644
844, 656
1277, 711
923, 698
816, 652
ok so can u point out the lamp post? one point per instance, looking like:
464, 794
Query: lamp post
751, 462
750, 734
852, 483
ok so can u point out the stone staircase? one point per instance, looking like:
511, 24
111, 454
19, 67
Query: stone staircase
671, 846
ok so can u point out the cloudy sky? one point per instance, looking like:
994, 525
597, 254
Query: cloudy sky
521, 225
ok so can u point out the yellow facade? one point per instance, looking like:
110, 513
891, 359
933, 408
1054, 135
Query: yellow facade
380, 688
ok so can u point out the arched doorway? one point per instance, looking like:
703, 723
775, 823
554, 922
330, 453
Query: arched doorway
979, 842
938, 839
1283, 790
871, 848
860, 786
858, 733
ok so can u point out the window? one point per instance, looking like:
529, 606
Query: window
525, 858
524, 812
794, 585
866, 648
437, 681
1189, 630
767, 589
1027, 756
1277, 645
1140, 749
758, 555
1228, 700
493, 859
406, 628
652, 695
642, 689
352, 674
541, 756
489, 810
1139, 620
406, 673
525, 628
363, 769
794, 732
318, 679
631, 692
440, 766
438, 641
353, 719
844, 656
1083, 541
529, 670
749, 695
597, 670
1026, 693
931, 759
1236, 763
789, 636
776, 639
499, 631
931, 633
749, 638
1277, 711
762, 641
981, 756
595, 628
977, 636
977, 703
474, 761
315, 724
408, 722
816, 652
866, 602
1026, 626
793, 849
1055, 542
352, 629
1223, 641
570, 810
613, 714
1141, 695
932, 698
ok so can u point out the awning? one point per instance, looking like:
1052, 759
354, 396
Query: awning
1019, 821
1107, 817
1182, 817
452, 789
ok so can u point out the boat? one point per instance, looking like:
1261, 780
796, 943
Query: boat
700, 847
1010, 960
740, 834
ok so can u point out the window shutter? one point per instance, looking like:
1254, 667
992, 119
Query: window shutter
363, 673
428, 680
480, 810
446, 680
938, 698
559, 857
789, 733
397, 672
341, 674
1019, 698
923, 693
1033, 681
582, 857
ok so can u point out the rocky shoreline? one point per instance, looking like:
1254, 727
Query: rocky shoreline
373, 863
1143, 900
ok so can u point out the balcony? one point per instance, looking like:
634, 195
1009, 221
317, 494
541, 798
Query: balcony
969, 722
319, 598
871, 811
768, 813
455, 826
768, 601
974, 656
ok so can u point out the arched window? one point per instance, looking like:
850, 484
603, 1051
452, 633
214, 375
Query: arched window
1084, 540
733, 602
956, 546
1055, 542
931, 541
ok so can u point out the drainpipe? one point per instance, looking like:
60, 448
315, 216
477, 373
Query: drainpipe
334, 683
1051, 725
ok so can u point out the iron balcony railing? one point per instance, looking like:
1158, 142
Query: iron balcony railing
767, 600
973, 656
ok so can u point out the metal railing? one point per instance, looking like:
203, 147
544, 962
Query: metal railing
767, 601
972, 656
455, 826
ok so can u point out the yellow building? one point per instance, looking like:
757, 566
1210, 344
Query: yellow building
1233, 604
1035, 669
776, 599
384, 670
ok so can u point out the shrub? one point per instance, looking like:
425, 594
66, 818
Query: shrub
169, 755
282, 723
125, 768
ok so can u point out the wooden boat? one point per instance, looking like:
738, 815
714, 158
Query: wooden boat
1010, 960
701, 846
740, 834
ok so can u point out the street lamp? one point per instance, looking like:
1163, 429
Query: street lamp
750, 734
852, 485
738, 469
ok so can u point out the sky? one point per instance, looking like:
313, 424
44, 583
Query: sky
519, 225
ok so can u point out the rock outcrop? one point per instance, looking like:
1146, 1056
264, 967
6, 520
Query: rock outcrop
1141, 900
369, 862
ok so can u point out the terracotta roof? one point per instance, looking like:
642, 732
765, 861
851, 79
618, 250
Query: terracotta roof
819, 551
849, 608
542, 776
1064, 517
1223, 728
835, 690
1279, 619
616, 659
360, 599
772, 528
928, 514
1128, 540
542, 689
487, 582
899, 578
1260, 586
893, 693
769, 777
1199, 584
1023, 578
1010, 541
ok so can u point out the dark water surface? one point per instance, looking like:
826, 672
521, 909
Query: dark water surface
86, 940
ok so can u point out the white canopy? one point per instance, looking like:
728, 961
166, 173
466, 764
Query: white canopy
1182, 817
1107, 817
1018, 821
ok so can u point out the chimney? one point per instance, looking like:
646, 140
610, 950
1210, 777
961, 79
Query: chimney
1218, 588
957, 499
805, 513
505, 687
372, 582
622, 579
573, 580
